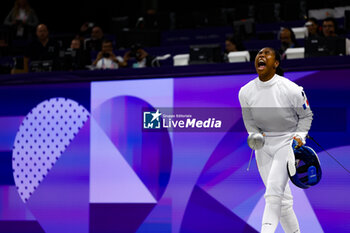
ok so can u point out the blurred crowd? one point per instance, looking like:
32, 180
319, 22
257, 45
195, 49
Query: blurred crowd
90, 48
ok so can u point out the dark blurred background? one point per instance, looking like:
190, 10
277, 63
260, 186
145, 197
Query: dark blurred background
161, 27
67, 16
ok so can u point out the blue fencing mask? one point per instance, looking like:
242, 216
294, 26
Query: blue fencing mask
307, 171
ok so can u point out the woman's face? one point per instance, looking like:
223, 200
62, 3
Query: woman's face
230, 47
265, 62
75, 44
311, 27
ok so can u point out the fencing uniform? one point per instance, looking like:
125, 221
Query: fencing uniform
278, 108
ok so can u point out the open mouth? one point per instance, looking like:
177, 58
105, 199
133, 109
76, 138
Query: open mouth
261, 65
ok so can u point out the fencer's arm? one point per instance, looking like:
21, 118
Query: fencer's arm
304, 114
248, 120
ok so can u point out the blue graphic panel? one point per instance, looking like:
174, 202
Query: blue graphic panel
111, 175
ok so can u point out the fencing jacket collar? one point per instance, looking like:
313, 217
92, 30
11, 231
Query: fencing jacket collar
270, 82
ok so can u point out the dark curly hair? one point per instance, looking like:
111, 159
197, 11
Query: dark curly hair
279, 70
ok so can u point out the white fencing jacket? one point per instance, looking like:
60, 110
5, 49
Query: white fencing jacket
276, 107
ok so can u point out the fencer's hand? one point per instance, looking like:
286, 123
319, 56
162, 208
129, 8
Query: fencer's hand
300, 143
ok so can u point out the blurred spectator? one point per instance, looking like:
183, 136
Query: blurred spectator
74, 57
84, 32
106, 59
141, 57
329, 27
288, 40
232, 45
22, 19
85, 29
312, 27
75, 44
43, 52
94, 43
148, 21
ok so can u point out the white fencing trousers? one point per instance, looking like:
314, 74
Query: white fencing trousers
272, 164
